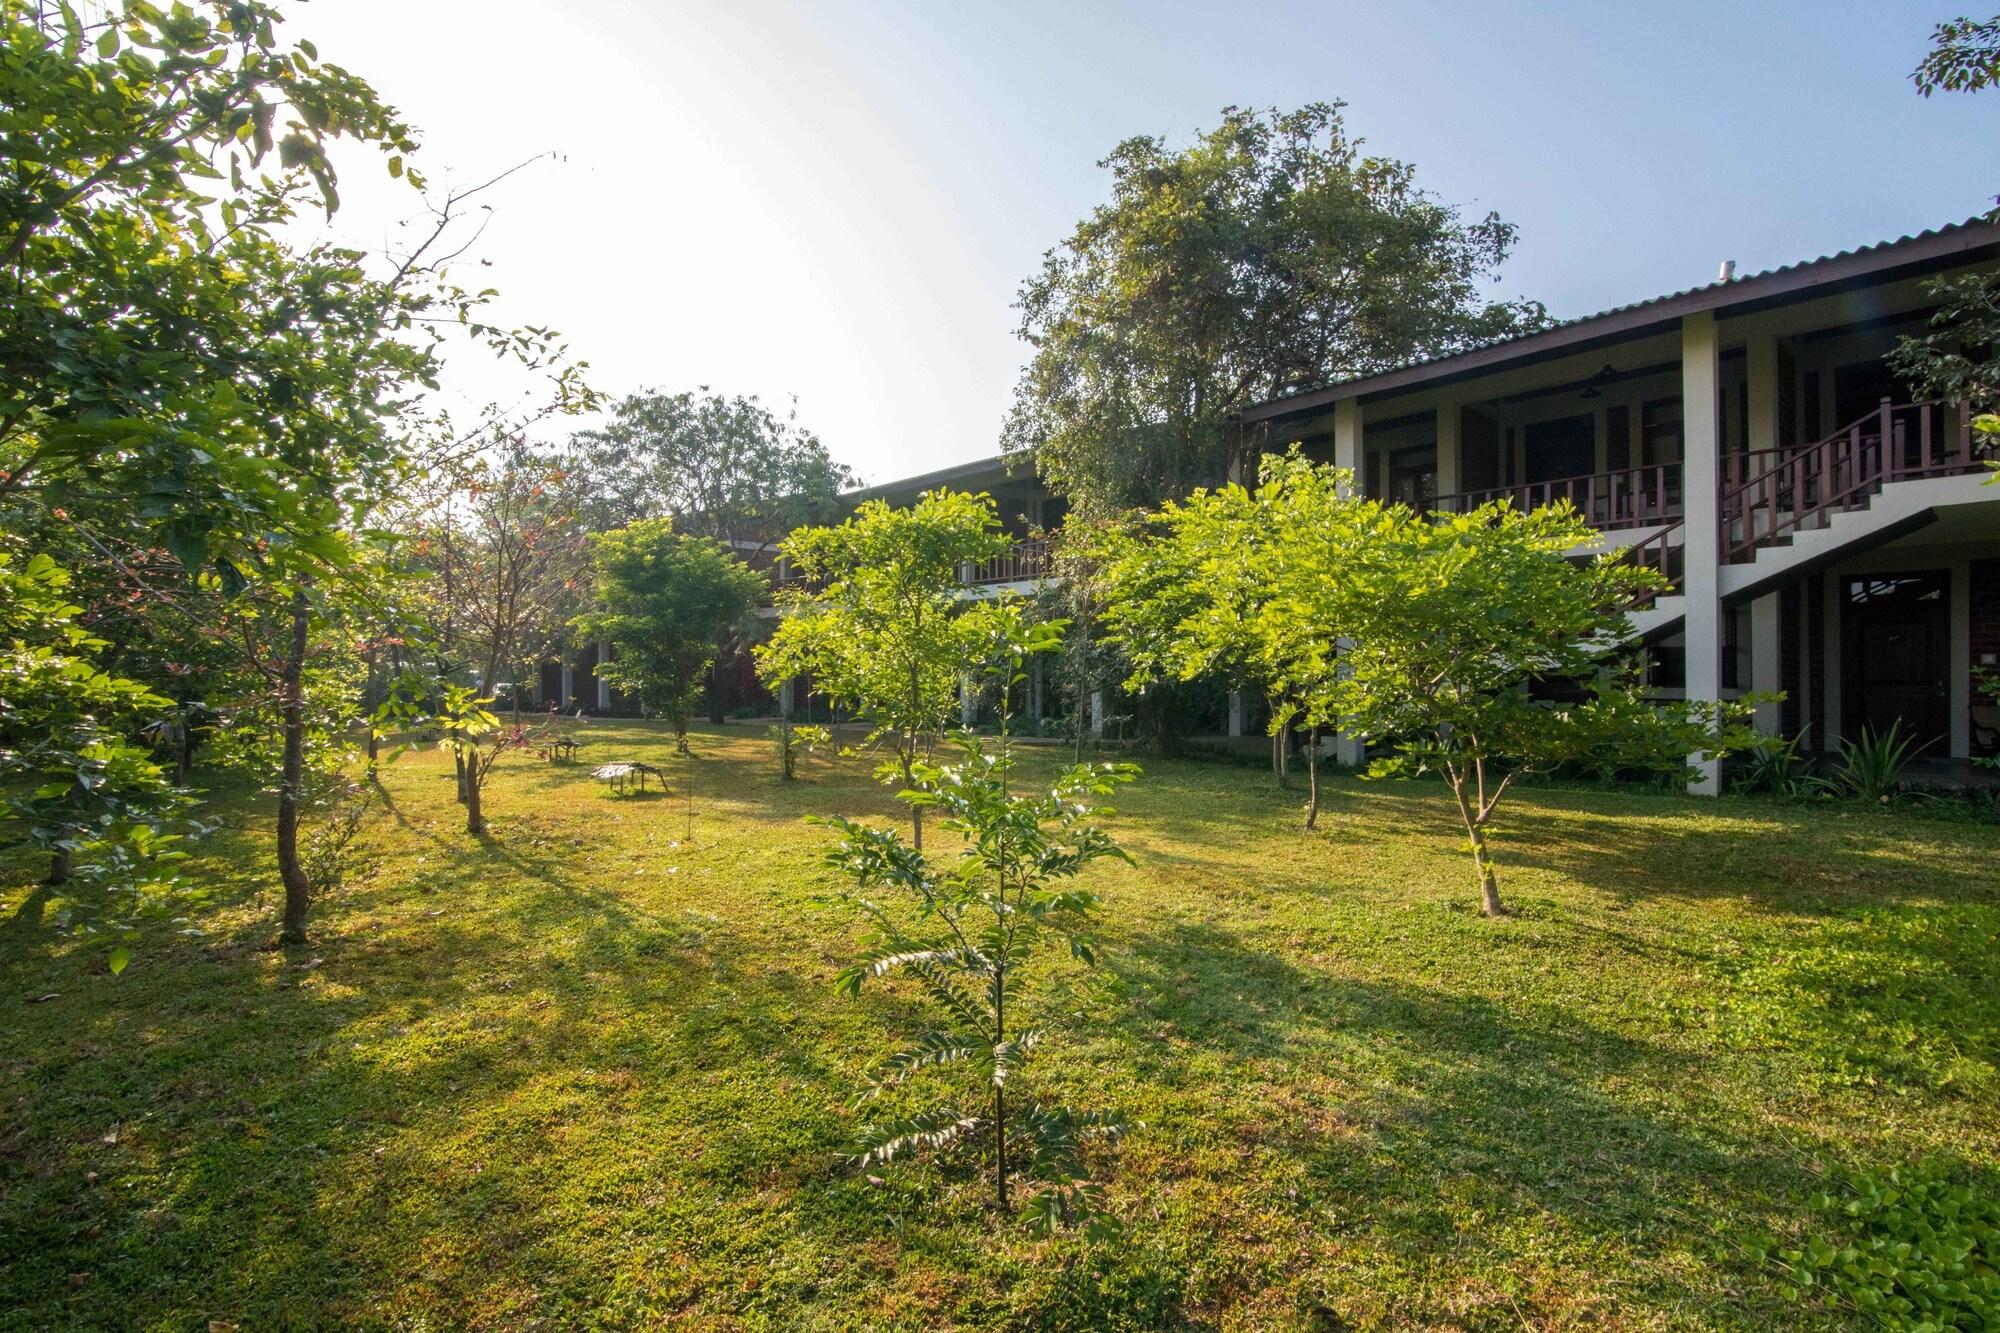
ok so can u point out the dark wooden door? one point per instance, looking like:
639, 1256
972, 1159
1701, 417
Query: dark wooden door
1896, 638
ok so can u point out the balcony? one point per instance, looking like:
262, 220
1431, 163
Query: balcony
1627, 498
1027, 561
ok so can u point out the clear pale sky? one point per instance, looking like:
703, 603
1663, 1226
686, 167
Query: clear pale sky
837, 200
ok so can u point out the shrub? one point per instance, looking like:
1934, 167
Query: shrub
1870, 767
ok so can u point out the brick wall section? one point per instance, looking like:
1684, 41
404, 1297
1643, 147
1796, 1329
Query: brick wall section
1985, 598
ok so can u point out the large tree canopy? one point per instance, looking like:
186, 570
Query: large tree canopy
727, 468
1268, 256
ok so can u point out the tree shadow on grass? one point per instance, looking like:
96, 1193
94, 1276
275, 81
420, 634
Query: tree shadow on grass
1449, 1126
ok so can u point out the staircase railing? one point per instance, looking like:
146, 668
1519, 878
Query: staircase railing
1665, 551
1769, 494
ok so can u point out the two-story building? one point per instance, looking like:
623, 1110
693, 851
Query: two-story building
1830, 537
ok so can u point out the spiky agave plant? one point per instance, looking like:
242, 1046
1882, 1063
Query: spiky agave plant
963, 924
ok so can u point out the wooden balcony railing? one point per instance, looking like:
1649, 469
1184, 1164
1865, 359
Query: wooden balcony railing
1664, 551
1627, 498
1770, 494
1026, 561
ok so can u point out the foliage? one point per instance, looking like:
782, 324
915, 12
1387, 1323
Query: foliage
1268, 256
1455, 618
727, 468
1869, 767
1964, 57
78, 786
1780, 765
964, 929
341, 807
876, 620
791, 741
1911, 1247
1244, 586
665, 600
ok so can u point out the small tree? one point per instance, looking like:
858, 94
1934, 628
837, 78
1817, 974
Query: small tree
1234, 583
665, 601
1455, 619
965, 929
882, 633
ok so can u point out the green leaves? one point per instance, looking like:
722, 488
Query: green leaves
1912, 1247
963, 926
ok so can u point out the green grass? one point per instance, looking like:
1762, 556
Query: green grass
589, 1074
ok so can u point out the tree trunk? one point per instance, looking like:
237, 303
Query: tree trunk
291, 784
1000, 1145
59, 861
1482, 860
1312, 777
475, 818
374, 702
916, 811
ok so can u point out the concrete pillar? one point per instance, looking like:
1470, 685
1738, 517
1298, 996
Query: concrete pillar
1701, 478
568, 682
1035, 691
788, 696
1349, 750
1448, 449
1096, 714
968, 702
1236, 712
1766, 634
603, 685
1761, 385
1347, 440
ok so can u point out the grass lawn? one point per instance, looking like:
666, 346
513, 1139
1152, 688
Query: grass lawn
589, 1074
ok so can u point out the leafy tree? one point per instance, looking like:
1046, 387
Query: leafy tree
727, 468
665, 599
965, 928
1959, 360
1268, 256
242, 405
1239, 585
1452, 622
876, 619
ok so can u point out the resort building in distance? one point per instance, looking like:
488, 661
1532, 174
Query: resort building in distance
1828, 537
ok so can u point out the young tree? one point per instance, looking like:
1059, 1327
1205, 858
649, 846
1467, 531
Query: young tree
1268, 256
1452, 622
882, 632
665, 600
1230, 584
966, 929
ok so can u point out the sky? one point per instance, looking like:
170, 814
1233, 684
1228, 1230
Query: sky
832, 204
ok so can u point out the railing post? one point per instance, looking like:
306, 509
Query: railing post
1891, 456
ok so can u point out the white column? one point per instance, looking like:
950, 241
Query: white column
568, 683
788, 694
1448, 449
1349, 750
1766, 633
1761, 371
1700, 478
1236, 711
968, 702
603, 685
1096, 713
1347, 440
1035, 691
